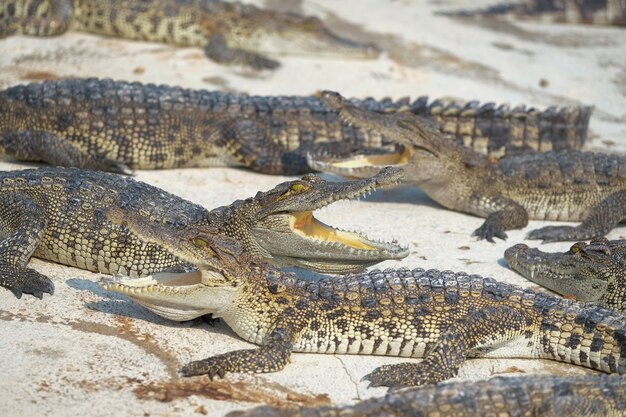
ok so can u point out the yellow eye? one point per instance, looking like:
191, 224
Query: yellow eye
198, 242
575, 248
297, 188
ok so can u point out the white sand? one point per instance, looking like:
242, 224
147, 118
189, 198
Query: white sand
90, 352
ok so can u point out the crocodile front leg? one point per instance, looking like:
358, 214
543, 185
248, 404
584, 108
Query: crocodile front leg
479, 328
46, 147
271, 357
600, 220
218, 50
55, 22
508, 215
23, 222
248, 141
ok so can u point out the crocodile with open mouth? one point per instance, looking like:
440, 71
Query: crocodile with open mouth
229, 32
114, 125
440, 315
566, 185
60, 214
591, 272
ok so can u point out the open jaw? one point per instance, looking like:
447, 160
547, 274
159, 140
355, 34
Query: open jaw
312, 244
559, 272
332, 250
174, 296
292, 235
362, 165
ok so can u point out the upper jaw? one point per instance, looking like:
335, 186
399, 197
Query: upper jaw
294, 35
323, 193
525, 260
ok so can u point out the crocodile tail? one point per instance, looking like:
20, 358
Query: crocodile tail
588, 334
567, 11
501, 130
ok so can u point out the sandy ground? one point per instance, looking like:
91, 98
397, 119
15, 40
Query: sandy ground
86, 351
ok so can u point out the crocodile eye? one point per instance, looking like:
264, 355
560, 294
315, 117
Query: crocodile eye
297, 188
577, 247
200, 243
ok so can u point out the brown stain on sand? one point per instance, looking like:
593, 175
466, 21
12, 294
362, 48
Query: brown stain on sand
174, 388
227, 390
39, 76
123, 330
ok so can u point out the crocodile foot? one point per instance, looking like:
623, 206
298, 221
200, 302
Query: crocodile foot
27, 281
557, 234
214, 366
488, 231
403, 375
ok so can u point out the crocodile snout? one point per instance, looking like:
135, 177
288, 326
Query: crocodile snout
514, 251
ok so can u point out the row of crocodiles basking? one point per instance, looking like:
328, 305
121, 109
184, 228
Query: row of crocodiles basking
102, 222
220, 262
241, 34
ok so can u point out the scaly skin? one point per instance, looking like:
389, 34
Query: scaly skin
108, 125
594, 272
595, 12
230, 33
566, 185
520, 396
442, 316
61, 214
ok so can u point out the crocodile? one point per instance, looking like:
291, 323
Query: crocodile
229, 33
565, 185
442, 316
108, 125
59, 214
595, 12
520, 396
589, 272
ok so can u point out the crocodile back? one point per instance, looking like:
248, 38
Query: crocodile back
78, 231
156, 126
403, 312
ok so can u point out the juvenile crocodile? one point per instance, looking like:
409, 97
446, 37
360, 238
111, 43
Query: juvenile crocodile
229, 33
59, 214
594, 272
440, 315
597, 12
566, 185
521, 396
109, 125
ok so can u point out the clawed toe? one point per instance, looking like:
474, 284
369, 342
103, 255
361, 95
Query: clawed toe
30, 282
392, 376
205, 367
488, 232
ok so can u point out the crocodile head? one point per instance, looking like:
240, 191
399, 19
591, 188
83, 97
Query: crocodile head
211, 289
423, 152
587, 272
290, 34
279, 225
